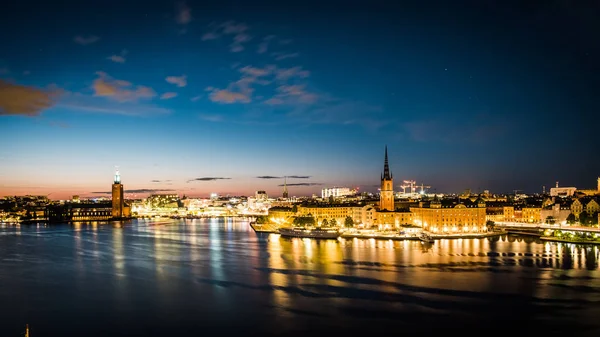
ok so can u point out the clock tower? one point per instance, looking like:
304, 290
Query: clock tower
117, 197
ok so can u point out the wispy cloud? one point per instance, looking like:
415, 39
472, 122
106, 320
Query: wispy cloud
208, 179
118, 58
237, 29
298, 177
282, 56
85, 40
79, 102
184, 14
210, 36
301, 184
292, 94
160, 181
227, 96
168, 95
238, 42
120, 90
284, 74
23, 100
269, 177
241, 90
196, 98
263, 47
180, 81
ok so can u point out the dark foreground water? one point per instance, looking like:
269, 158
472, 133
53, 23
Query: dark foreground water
218, 277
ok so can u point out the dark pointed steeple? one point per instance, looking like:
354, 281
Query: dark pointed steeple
386, 168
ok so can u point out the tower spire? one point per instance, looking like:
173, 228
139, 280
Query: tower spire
386, 167
117, 175
285, 191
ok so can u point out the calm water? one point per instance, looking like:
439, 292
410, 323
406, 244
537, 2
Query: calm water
196, 277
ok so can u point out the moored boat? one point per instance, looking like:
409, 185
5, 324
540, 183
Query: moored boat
315, 233
426, 237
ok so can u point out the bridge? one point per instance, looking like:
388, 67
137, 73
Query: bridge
543, 226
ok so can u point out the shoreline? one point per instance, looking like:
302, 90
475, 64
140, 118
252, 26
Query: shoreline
553, 239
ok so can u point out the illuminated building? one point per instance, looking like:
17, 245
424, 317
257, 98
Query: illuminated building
281, 215
117, 197
393, 219
531, 214
451, 215
337, 192
562, 191
79, 212
386, 196
559, 210
119, 208
585, 204
261, 195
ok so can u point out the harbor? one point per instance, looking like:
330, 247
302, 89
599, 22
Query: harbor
270, 228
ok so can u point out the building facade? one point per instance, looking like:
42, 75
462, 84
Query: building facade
451, 216
337, 192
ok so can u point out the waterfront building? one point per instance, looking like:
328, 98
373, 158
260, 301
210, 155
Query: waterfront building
281, 215
333, 213
531, 214
586, 204
386, 194
449, 216
558, 210
79, 212
393, 219
494, 215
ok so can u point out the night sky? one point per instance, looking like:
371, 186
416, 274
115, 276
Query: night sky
209, 96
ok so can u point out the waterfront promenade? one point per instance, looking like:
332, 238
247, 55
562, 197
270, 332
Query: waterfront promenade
542, 226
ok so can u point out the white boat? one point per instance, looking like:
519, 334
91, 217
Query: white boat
315, 233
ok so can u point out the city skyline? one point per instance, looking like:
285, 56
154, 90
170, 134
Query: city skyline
193, 98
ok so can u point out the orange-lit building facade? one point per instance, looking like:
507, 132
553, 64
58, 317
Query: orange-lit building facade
451, 216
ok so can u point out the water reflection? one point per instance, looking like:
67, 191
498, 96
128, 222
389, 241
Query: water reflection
209, 270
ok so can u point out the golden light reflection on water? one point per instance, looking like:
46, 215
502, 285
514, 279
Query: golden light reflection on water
276, 261
118, 250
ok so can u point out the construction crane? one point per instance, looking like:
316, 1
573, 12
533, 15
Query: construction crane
423, 187
403, 187
411, 184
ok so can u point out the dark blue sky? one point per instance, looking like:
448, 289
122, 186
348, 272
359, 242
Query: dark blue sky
473, 94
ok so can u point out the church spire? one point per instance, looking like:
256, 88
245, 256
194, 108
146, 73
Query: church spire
285, 191
386, 168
